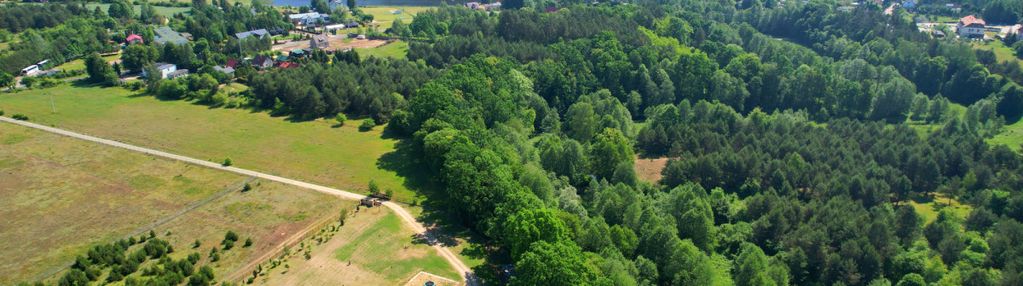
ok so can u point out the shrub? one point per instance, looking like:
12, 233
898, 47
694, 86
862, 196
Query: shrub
20, 116
341, 118
227, 162
367, 125
1, 113
246, 188
196, 244
248, 242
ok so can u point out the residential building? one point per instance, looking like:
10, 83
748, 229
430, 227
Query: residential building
319, 42
262, 62
971, 27
309, 19
166, 70
224, 69
260, 33
167, 35
133, 39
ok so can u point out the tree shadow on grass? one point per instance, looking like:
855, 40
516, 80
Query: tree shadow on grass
441, 218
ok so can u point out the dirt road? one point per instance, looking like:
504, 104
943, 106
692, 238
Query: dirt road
407, 217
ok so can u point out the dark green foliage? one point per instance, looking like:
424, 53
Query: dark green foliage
367, 125
374, 87
99, 71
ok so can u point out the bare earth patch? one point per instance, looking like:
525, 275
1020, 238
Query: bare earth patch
649, 169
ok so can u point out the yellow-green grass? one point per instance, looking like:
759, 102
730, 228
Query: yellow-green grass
62, 195
271, 214
1011, 135
383, 16
373, 247
315, 151
924, 129
396, 49
160, 10
1002, 52
928, 210
389, 235
79, 64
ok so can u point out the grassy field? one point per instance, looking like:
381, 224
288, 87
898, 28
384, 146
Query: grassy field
315, 151
64, 195
79, 64
61, 196
1011, 136
373, 248
383, 14
928, 210
1002, 52
165, 11
271, 214
396, 49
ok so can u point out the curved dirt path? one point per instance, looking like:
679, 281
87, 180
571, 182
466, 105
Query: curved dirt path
405, 216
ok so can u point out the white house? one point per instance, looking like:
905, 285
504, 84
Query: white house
165, 70
971, 27
308, 19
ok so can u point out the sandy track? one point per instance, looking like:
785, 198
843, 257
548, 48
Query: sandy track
405, 216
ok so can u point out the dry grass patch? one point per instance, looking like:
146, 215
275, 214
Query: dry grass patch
63, 195
649, 169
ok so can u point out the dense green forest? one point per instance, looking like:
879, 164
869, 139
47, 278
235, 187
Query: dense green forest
801, 139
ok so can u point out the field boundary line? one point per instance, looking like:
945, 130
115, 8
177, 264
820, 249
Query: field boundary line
464, 271
161, 221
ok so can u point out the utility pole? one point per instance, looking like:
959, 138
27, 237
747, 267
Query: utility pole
53, 106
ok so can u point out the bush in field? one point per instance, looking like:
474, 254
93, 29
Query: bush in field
367, 125
341, 118
19, 116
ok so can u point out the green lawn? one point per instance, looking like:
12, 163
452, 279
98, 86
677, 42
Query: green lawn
387, 236
315, 151
384, 16
396, 49
79, 64
1003, 53
1011, 136
928, 210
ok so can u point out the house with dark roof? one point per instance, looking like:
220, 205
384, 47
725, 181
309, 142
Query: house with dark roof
167, 35
971, 27
319, 42
262, 62
260, 33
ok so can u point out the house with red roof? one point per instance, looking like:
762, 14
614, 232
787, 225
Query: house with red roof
971, 27
133, 39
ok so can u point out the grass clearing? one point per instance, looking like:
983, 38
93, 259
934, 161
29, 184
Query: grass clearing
373, 248
273, 215
79, 64
384, 15
62, 195
315, 151
1002, 52
928, 210
1011, 135
396, 49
